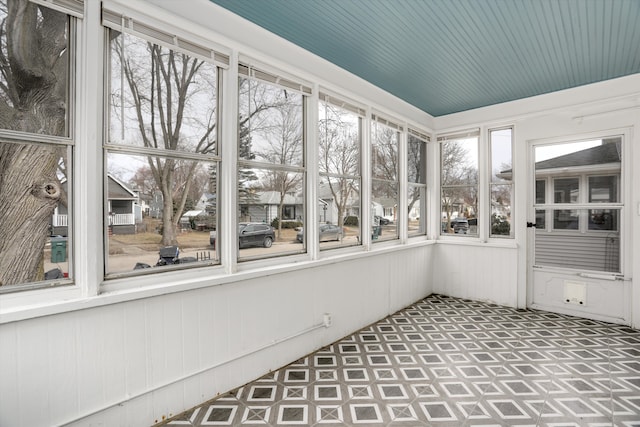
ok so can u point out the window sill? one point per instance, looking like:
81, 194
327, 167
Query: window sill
127, 289
474, 241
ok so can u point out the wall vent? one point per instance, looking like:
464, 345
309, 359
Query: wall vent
575, 292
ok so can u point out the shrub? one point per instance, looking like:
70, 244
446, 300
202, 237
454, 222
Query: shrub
351, 220
499, 225
286, 223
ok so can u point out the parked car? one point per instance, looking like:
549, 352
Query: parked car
326, 231
381, 220
460, 225
250, 234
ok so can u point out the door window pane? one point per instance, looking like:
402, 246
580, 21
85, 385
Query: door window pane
603, 189
541, 189
604, 219
565, 190
565, 219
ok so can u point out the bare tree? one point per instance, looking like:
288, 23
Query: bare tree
283, 146
34, 67
459, 179
339, 156
172, 96
416, 150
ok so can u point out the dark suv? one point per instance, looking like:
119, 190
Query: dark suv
255, 234
250, 234
460, 225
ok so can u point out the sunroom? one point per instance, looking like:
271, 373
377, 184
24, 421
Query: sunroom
474, 161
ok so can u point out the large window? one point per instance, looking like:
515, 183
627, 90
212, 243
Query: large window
37, 53
271, 168
385, 137
340, 130
417, 182
459, 183
501, 185
162, 157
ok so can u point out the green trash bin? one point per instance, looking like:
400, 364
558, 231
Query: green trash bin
58, 249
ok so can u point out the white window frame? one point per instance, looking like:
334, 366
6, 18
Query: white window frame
361, 112
425, 139
511, 184
139, 29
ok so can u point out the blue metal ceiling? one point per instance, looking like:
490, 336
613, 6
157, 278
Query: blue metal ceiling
446, 56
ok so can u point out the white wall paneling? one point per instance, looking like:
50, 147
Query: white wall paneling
73, 364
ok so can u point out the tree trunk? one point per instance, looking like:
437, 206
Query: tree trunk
34, 66
29, 193
169, 235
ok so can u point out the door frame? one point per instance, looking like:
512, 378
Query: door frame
625, 225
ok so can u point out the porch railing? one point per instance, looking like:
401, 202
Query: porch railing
60, 220
121, 219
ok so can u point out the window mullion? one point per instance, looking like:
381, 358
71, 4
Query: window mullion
229, 170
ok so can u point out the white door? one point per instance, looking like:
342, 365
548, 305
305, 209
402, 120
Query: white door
575, 228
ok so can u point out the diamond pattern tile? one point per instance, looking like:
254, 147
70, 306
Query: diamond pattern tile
450, 362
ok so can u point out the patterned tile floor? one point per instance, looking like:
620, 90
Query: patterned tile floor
450, 362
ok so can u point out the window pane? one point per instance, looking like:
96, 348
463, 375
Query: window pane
416, 160
144, 222
272, 198
541, 219
384, 152
384, 205
501, 160
565, 219
35, 213
565, 190
339, 205
460, 162
541, 186
604, 219
501, 210
270, 124
459, 207
161, 98
416, 217
34, 83
339, 156
603, 189
339, 141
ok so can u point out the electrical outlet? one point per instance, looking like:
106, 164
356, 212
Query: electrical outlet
327, 320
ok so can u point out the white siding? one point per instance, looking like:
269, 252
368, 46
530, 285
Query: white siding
599, 252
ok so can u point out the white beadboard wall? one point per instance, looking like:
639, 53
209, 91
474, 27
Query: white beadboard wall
480, 272
58, 368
